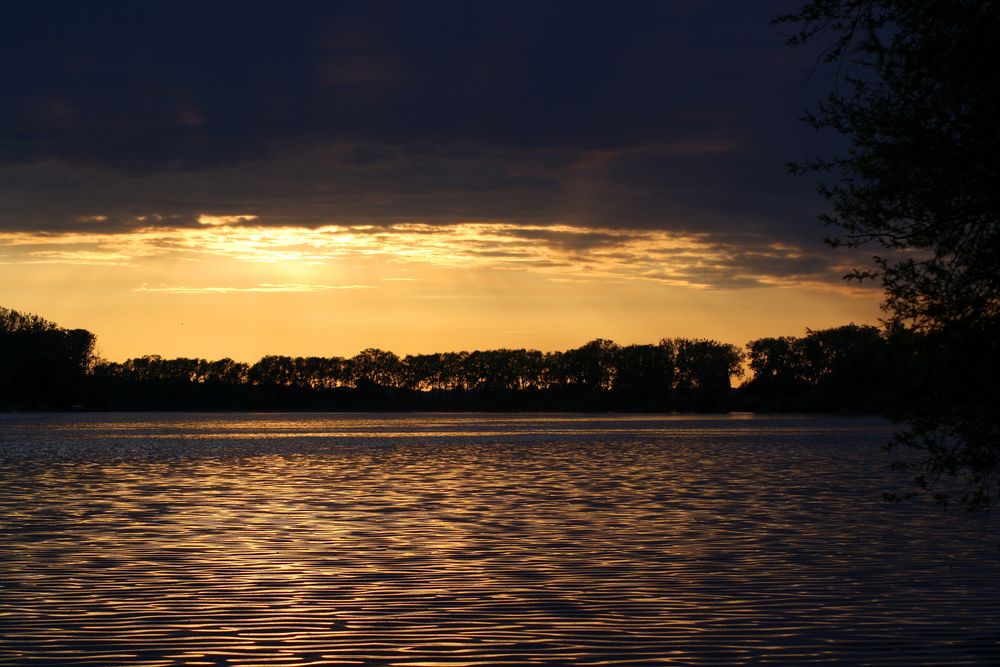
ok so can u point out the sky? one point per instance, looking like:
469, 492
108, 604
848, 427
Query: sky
241, 179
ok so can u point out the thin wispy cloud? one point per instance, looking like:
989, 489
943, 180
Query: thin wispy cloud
700, 261
220, 220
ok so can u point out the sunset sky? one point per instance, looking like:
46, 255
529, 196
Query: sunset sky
241, 179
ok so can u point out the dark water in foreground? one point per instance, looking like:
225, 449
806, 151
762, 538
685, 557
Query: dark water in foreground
477, 540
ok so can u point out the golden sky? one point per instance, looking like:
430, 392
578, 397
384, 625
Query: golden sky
229, 288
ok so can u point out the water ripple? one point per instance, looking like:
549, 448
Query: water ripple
476, 540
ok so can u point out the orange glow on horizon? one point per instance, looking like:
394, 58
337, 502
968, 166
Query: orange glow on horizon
229, 288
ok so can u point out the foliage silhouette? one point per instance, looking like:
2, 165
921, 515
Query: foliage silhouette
844, 369
597, 376
916, 95
41, 364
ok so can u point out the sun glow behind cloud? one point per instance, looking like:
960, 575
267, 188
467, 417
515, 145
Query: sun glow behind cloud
563, 252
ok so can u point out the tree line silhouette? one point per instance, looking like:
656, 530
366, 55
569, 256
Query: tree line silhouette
849, 368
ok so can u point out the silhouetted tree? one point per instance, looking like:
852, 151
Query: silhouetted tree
226, 371
644, 375
452, 374
41, 364
702, 371
847, 366
780, 379
503, 370
921, 184
422, 372
843, 368
777, 365
376, 368
592, 365
272, 370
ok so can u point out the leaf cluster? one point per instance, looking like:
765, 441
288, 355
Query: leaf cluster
917, 95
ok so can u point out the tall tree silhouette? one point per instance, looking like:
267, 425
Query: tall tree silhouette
917, 98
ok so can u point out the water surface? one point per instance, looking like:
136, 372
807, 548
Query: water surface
477, 540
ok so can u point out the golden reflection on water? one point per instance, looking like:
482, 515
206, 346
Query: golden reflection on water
475, 540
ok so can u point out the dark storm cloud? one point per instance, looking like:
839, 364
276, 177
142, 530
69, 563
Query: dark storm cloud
146, 85
631, 115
